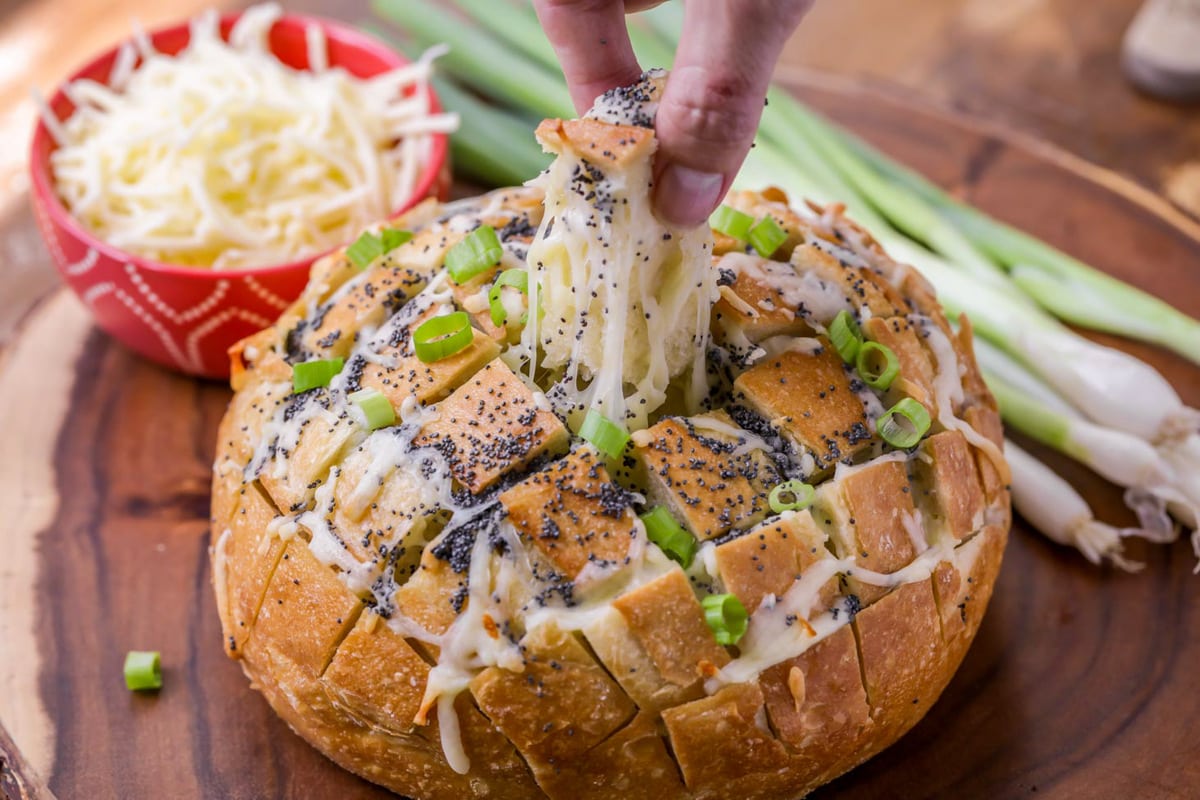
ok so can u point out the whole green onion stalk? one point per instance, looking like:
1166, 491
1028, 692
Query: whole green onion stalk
1120, 457
1054, 507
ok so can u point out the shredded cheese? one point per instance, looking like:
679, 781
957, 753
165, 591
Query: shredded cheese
222, 156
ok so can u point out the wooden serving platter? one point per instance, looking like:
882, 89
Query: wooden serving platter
1081, 684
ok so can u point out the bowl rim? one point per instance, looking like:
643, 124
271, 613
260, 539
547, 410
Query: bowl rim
43, 183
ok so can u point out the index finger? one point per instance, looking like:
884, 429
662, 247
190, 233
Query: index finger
592, 44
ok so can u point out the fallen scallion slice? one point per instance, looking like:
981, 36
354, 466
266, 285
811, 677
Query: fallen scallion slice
903, 424
377, 408
442, 337
726, 616
517, 279
607, 436
791, 495
845, 336
664, 531
877, 365
315, 374
478, 252
143, 670
731, 222
766, 236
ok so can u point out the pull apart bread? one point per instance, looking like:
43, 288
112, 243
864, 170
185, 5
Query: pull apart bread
476, 600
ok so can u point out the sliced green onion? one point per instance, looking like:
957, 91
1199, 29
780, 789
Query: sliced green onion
800, 493
368, 246
766, 236
607, 436
731, 222
664, 531
314, 374
726, 616
517, 279
143, 670
393, 238
442, 337
903, 424
874, 374
478, 252
845, 336
377, 408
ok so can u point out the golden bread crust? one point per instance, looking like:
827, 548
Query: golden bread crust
341, 585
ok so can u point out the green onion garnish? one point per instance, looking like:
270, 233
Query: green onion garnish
143, 670
726, 616
766, 236
903, 424
479, 251
664, 531
377, 408
517, 279
875, 374
313, 374
731, 222
607, 436
845, 336
393, 238
791, 495
368, 247
441, 337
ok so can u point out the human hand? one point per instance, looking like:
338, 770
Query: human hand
714, 96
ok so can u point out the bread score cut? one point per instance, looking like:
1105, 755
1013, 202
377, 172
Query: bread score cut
467, 603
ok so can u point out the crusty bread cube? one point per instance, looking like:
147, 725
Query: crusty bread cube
751, 302
808, 397
947, 486
632, 764
623, 655
693, 471
900, 645
573, 514
667, 620
560, 706
963, 588
324, 437
384, 516
306, 611
723, 751
377, 676
861, 288
363, 302
409, 376
490, 426
865, 514
817, 704
244, 559
916, 366
773, 556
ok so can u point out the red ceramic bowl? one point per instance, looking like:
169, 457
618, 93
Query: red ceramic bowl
187, 317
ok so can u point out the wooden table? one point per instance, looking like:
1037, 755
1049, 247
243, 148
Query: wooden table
1080, 685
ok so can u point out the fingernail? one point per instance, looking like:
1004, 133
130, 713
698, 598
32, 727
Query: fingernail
686, 196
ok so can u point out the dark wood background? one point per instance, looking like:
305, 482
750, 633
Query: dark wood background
1082, 682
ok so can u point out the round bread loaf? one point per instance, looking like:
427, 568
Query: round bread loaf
466, 603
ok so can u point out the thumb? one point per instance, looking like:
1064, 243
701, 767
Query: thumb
714, 99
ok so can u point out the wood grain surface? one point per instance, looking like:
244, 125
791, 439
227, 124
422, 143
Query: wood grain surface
1081, 683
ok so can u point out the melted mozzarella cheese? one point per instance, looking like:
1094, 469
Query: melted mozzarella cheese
626, 299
